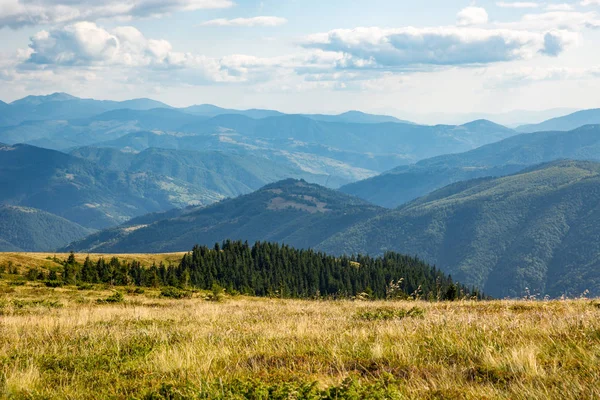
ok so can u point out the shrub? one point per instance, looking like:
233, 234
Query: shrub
175, 293
53, 283
116, 297
216, 294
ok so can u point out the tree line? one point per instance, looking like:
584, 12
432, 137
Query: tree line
272, 269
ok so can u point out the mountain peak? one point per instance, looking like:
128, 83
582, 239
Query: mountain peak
483, 123
35, 100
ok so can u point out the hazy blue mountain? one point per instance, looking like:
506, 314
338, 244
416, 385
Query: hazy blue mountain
229, 175
29, 229
565, 123
290, 211
62, 106
508, 156
356, 117
62, 135
319, 169
209, 110
538, 229
85, 193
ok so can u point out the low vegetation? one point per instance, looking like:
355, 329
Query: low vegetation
69, 342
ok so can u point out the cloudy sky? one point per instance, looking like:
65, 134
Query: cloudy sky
306, 55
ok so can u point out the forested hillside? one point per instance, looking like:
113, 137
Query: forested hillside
29, 229
534, 231
84, 192
291, 211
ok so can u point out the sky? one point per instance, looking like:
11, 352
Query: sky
399, 57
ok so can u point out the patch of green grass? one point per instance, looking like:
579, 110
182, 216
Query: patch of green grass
387, 314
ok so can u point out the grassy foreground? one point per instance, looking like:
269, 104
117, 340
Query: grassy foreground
64, 343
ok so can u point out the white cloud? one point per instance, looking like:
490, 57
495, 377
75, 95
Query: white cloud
590, 2
563, 20
444, 46
517, 4
472, 16
560, 7
85, 46
19, 13
247, 22
529, 75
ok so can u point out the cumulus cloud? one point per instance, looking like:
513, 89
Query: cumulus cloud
560, 7
19, 13
590, 3
247, 22
85, 45
472, 16
445, 46
517, 4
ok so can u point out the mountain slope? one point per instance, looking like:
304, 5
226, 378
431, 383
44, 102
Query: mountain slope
229, 175
84, 193
29, 229
538, 229
290, 211
508, 156
565, 123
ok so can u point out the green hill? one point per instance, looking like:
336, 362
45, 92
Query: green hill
508, 156
291, 211
538, 229
29, 229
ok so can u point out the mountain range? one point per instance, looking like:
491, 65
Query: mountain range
406, 183
536, 230
110, 187
505, 211
565, 123
338, 144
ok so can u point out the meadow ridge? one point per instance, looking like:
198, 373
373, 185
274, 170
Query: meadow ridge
53, 260
75, 342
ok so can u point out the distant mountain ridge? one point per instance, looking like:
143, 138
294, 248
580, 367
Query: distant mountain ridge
565, 123
508, 156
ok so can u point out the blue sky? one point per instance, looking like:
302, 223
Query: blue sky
402, 57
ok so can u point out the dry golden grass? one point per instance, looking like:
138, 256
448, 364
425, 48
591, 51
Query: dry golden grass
60, 343
24, 261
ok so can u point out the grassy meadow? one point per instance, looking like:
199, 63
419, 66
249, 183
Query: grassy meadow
77, 343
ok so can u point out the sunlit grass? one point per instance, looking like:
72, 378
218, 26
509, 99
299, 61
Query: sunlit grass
62, 343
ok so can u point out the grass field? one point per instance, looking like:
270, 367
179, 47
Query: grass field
47, 260
65, 343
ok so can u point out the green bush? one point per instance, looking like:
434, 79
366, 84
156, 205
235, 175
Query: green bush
116, 297
175, 293
53, 283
